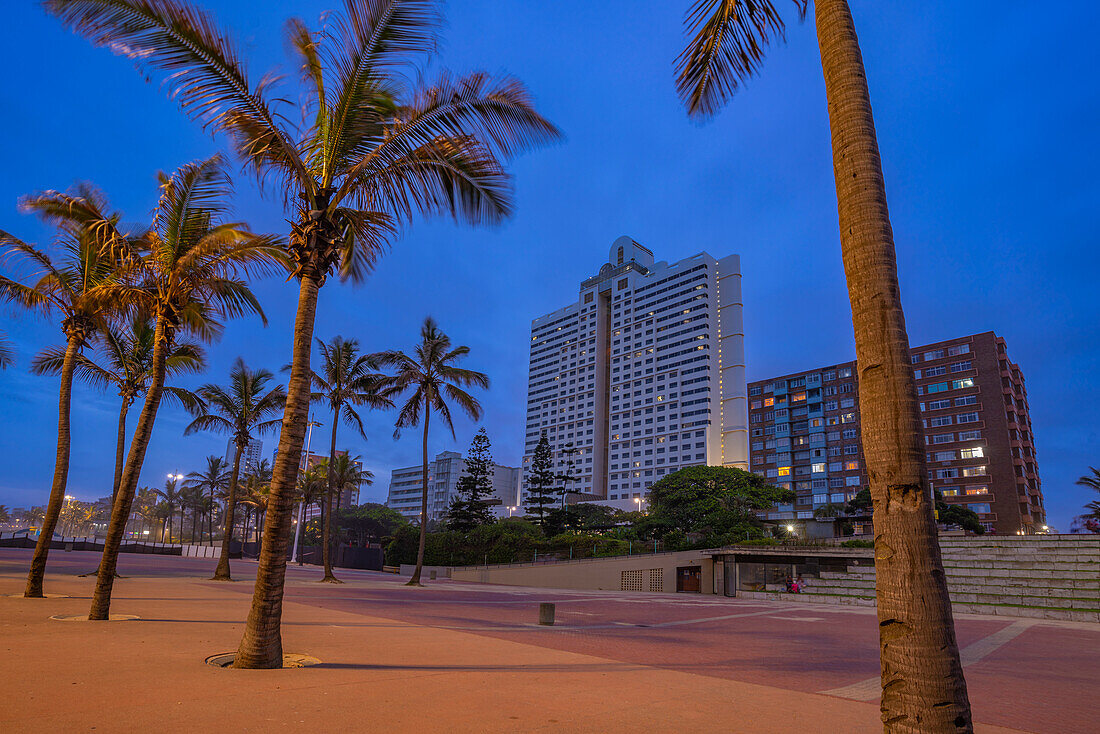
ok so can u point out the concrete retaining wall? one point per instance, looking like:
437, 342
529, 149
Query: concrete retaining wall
657, 573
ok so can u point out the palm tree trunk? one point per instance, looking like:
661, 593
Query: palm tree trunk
415, 580
210, 516
262, 643
922, 677
222, 572
120, 510
37, 573
326, 540
120, 445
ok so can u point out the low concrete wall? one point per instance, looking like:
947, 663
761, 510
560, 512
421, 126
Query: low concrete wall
658, 573
443, 572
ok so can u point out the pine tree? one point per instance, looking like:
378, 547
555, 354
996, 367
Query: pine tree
568, 451
470, 508
540, 495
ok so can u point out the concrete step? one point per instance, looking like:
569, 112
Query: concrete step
1038, 565
1005, 610
1088, 597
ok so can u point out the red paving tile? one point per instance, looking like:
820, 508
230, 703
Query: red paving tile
1041, 680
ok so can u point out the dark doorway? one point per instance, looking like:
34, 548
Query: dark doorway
689, 579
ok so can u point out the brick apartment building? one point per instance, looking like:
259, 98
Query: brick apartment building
804, 434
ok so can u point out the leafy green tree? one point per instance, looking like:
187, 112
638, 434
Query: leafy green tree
714, 503
435, 381
959, 515
368, 523
861, 504
244, 407
378, 147
470, 508
540, 481
346, 380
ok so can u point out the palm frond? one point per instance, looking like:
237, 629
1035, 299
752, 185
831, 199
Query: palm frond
727, 40
204, 72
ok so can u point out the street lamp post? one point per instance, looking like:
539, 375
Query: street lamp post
511, 510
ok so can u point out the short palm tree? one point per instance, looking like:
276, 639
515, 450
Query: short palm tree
190, 277
923, 688
71, 286
435, 381
5, 514
211, 482
124, 360
243, 408
346, 381
257, 485
172, 498
377, 148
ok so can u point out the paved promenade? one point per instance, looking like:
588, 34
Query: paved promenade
467, 658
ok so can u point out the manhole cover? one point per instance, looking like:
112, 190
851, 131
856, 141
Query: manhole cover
84, 617
290, 660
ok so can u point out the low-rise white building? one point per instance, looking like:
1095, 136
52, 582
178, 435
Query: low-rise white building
443, 474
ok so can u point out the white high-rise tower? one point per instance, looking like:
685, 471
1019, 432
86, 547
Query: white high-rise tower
644, 374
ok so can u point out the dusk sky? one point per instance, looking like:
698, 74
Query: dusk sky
987, 118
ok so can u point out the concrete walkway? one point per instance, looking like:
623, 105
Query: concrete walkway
377, 673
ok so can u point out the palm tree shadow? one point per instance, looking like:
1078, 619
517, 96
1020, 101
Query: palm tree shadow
608, 667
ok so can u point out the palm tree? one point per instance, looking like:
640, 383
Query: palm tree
1092, 481
256, 488
190, 277
5, 514
210, 482
172, 499
124, 360
244, 407
72, 287
146, 502
7, 352
347, 380
923, 688
345, 474
378, 148
434, 379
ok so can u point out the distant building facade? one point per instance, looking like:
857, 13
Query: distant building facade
644, 374
805, 434
250, 457
443, 474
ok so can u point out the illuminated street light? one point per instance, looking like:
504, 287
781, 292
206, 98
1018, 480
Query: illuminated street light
510, 511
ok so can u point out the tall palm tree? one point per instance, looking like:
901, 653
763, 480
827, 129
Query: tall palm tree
244, 407
124, 360
377, 149
190, 277
922, 678
434, 380
210, 482
346, 381
72, 287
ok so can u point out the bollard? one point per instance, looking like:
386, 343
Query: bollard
546, 613
432, 574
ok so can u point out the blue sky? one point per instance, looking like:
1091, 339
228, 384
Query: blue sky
986, 113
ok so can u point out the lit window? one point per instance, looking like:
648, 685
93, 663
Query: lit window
784, 471
815, 468
965, 382
851, 465
973, 453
